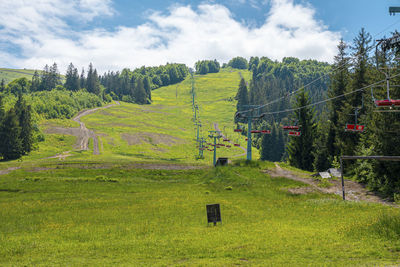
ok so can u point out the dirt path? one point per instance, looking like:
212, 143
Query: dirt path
82, 133
85, 134
241, 76
230, 142
354, 191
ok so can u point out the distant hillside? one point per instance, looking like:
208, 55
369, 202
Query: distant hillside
11, 74
162, 131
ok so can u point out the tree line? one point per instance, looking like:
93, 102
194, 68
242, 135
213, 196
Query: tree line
207, 66
136, 86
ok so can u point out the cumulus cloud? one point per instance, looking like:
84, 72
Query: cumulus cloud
42, 34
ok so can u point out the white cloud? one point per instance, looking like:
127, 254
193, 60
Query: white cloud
42, 32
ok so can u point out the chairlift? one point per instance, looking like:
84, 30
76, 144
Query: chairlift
291, 128
255, 131
388, 102
265, 131
228, 146
386, 44
236, 144
354, 128
350, 127
226, 140
294, 133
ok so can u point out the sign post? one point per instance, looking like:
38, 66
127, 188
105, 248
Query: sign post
213, 214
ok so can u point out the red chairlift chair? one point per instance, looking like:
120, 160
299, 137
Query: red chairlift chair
388, 102
294, 133
291, 127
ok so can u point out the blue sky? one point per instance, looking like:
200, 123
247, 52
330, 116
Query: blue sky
114, 34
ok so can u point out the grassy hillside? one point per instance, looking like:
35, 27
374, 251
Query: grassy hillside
85, 215
11, 74
162, 131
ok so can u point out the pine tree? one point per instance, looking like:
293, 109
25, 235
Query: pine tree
2, 85
347, 141
147, 87
339, 82
10, 141
35, 82
72, 78
300, 148
140, 93
242, 97
82, 79
55, 78
267, 143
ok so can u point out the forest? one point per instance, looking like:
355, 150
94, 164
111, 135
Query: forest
337, 96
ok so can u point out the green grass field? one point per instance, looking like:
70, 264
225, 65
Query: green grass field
141, 203
80, 216
11, 74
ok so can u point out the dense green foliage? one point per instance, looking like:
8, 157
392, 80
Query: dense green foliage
273, 80
381, 128
272, 145
136, 86
16, 131
238, 63
207, 66
242, 102
300, 147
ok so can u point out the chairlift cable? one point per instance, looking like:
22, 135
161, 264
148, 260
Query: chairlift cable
313, 81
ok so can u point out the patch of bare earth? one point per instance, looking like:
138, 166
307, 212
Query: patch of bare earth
151, 138
61, 156
39, 169
353, 190
160, 166
82, 133
8, 170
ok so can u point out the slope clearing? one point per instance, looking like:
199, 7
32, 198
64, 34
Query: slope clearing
11, 74
162, 131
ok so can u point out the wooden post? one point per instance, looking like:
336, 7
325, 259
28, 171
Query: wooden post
341, 174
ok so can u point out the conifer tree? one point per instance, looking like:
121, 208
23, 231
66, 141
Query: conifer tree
300, 148
72, 78
10, 141
242, 97
147, 87
339, 82
347, 141
140, 93
82, 79
2, 85
35, 82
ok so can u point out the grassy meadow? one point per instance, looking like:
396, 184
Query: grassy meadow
141, 202
11, 74
76, 215
162, 131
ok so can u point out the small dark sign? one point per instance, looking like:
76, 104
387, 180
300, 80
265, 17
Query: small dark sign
213, 214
